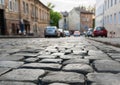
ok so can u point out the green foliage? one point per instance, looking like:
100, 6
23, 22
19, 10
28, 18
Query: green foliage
54, 18
50, 5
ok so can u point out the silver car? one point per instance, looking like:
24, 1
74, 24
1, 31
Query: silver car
51, 31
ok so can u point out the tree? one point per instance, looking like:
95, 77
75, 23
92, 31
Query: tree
54, 16
50, 5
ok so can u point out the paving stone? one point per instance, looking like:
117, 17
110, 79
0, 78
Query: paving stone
58, 54
27, 55
74, 61
114, 55
15, 83
104, 78
82, 53
46, 66
29, 50
58, 84
97, 57
81, 68
12, 51
4, 70
107, 66
94, 52
31, 60
28, 75
46, 57
71, 57
51, 50
11, 64
67, 52
11, 58
64, 77
51, 61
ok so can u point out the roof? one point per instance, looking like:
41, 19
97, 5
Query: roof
82, 10
43, 5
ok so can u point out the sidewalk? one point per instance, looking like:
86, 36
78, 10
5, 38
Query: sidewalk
17, 36
109, 41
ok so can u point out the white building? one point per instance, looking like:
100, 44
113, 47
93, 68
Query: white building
99, 21
110, 14
74, 19
64, 21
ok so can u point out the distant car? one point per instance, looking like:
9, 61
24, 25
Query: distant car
51, 31
100, 31
67, 33
89, 33
76, 33
62, 34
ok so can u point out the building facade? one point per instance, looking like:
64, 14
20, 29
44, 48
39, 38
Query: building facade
74, 19
99, 19
86, 20
64, 21
80, 19
23, 16
110, 16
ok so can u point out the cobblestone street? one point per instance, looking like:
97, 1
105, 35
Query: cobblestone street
58, 61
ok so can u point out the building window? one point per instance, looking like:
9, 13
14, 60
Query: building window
10, 5
119, 17
108, 3
16, 5
111, 19
27, 9
111, 3
24, 7
115, 1
1, 1
115, 18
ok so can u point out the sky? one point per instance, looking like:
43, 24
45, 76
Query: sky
67, 5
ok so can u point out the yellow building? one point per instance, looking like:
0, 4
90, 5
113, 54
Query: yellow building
23, 16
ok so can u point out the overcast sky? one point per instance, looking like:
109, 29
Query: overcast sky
67, 5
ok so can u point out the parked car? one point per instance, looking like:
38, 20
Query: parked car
89, 33
62, 34
67, 33
76, 33
51, 31
100, 31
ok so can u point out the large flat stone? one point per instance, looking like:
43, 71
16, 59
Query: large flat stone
11, 64
4, 70
64, 77
82, 53
74, 61
30, 75
11, 58
15, 83
51, 61
94, 52
71, 57
97, 57
104, 78
58, 84
31, 60
46, 66
82, 68
58, 54
107, 66
46, 56
27, 55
